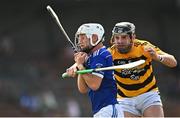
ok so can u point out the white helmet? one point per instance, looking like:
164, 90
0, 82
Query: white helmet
89, 29
123, 28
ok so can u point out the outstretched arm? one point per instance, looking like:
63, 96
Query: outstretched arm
167, 59
164, 58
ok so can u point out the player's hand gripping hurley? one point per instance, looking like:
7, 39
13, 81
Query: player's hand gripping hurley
125, 66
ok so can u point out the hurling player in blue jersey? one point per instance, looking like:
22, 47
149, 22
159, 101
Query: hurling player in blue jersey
100, 86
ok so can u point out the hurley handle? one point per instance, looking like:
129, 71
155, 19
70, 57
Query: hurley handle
64, 75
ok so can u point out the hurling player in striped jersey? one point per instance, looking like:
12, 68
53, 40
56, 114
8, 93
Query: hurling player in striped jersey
138, 93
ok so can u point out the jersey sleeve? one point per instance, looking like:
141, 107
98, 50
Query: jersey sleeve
157, 49
98, 62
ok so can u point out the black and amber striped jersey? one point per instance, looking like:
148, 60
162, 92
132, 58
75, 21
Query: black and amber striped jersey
136, 81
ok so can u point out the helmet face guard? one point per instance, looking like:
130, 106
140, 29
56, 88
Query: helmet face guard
123, 28
89, 29
76, 41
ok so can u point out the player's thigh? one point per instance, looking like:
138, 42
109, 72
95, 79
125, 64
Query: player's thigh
152, 105
154, 111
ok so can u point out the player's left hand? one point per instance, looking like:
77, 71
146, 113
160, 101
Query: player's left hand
80, 57
152, 52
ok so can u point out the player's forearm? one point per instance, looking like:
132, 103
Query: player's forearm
82, 86
91, 80
168, 60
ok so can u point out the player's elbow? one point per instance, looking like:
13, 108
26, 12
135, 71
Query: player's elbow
95, 84
94, 87
82, 90
173, 62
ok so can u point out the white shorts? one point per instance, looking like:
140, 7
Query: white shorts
113, 111
137, 105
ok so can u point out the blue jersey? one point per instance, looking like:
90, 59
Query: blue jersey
106, 94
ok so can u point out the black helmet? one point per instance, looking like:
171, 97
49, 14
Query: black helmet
123, 28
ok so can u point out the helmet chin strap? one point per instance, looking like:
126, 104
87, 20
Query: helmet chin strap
91, 44
88, 49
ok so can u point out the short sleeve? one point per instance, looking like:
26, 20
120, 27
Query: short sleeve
157, 49
98, 62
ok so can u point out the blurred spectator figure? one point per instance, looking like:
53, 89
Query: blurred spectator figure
49, 100
68, 51
73, 108
65, 56
6, 45
30, 102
